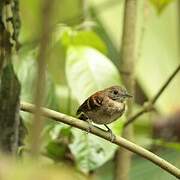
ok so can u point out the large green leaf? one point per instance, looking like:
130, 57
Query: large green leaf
57, 146
67, 102
69, 36
90, 152
87, 71
90, 38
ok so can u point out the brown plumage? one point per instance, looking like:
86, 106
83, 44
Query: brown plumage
104, 107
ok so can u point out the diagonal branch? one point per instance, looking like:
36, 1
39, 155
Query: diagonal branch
149, 105
59, 117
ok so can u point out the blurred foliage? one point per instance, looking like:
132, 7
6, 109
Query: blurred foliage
170, 145
84, 58
82, 72
33, 17
157, 47
160, 4
44, 169
142, 169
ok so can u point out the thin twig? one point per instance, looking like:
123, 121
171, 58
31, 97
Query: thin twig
149, 105
59, 117
153, 101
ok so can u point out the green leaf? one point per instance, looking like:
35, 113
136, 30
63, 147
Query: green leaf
27, 71
69, 36
60, 137
90, 152
63, 34
89, 38
55, 150
160, 4
88, 70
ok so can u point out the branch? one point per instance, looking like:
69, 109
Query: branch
149, 105
59, 117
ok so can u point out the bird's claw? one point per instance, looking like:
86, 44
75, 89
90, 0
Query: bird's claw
90, 126
112, 136
89, 129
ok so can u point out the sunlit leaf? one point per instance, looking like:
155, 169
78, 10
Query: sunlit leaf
88, 71
91, 39
63, 34
67, 103
68, 36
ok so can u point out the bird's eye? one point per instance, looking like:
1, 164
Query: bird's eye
115, 92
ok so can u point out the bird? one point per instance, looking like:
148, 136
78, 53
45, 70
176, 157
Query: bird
104, 106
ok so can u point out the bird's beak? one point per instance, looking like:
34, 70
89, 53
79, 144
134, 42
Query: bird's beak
128, 95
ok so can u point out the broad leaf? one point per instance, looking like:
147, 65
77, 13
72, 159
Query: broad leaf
68, 36
88, 71
57, 146
90, 151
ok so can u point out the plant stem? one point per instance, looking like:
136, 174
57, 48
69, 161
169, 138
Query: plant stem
123, 158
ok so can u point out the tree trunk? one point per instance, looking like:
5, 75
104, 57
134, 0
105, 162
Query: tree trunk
9, 84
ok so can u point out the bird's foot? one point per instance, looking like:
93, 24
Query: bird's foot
84, 117
90, 126
112, 136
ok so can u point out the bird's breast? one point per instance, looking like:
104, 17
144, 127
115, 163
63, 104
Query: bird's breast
107, 113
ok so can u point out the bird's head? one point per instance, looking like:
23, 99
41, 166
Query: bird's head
117, 93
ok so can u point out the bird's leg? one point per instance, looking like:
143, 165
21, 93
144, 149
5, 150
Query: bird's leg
84, 117
112, 136
90, 125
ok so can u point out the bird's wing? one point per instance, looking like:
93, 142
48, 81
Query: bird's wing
82, 107
91, 103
